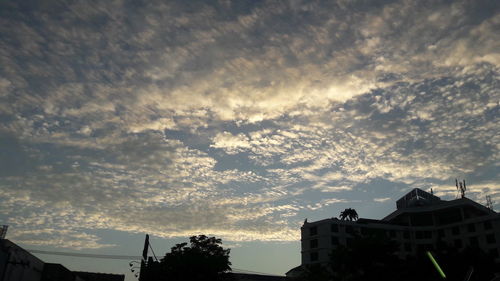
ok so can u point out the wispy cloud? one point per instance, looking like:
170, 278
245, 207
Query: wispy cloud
382, 200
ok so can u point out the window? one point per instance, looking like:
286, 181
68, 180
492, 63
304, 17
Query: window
441, 233
335, 240
363, 230
335, 228
348, 241
455, 230
372, 231
392, 233
423, 234
313, 231
471, 227
490, 238
449, 216
407, 247
473, 241
422, 219
424, 247
406, 234
349, 229
314, 256
458, 243
493, 253
313, 243
487, 225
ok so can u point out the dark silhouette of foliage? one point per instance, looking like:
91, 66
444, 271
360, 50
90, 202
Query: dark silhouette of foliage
457, 263
203, 259
314, 272
349, 214
454, 262
366, 258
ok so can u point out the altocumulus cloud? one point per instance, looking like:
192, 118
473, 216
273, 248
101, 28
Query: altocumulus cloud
220, 117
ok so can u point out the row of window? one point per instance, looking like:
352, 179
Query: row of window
471, 228
490, 239
314, 256
313, 243
458, 243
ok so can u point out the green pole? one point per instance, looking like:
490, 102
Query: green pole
436, 265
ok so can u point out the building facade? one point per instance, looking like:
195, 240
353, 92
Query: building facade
420, 221
17, 264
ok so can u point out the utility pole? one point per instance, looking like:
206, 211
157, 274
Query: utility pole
142, 274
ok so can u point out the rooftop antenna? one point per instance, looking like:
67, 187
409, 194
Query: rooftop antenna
461, 187
489, 203
3, 231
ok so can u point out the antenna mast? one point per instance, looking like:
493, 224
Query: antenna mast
489, 203
3, 231
461, 187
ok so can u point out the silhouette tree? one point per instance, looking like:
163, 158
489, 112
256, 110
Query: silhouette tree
349, 213
455, 263
366, 258
203, 259
373, 257
314, 272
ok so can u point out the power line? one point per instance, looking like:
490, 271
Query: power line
237, 270
83, 255
122, 257
153, 251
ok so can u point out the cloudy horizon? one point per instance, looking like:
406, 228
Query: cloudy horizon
238, 119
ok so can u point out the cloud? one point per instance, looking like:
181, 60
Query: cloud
166, 189
476, 191
230, 142
58, 238
382, 200
325, 202
181, 119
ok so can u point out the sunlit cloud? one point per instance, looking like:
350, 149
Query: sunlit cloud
381, 200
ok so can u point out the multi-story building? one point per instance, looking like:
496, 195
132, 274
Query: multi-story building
419, 222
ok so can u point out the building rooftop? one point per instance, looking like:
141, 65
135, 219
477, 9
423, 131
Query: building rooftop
438, 206
95, 276
418, 201
417, 197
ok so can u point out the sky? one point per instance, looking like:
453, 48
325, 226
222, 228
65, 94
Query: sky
237, 119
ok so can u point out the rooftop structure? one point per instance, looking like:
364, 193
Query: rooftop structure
415, 198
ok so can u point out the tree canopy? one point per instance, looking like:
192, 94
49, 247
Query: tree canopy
349, 214
202, 259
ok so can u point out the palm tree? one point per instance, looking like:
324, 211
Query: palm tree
349, 213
